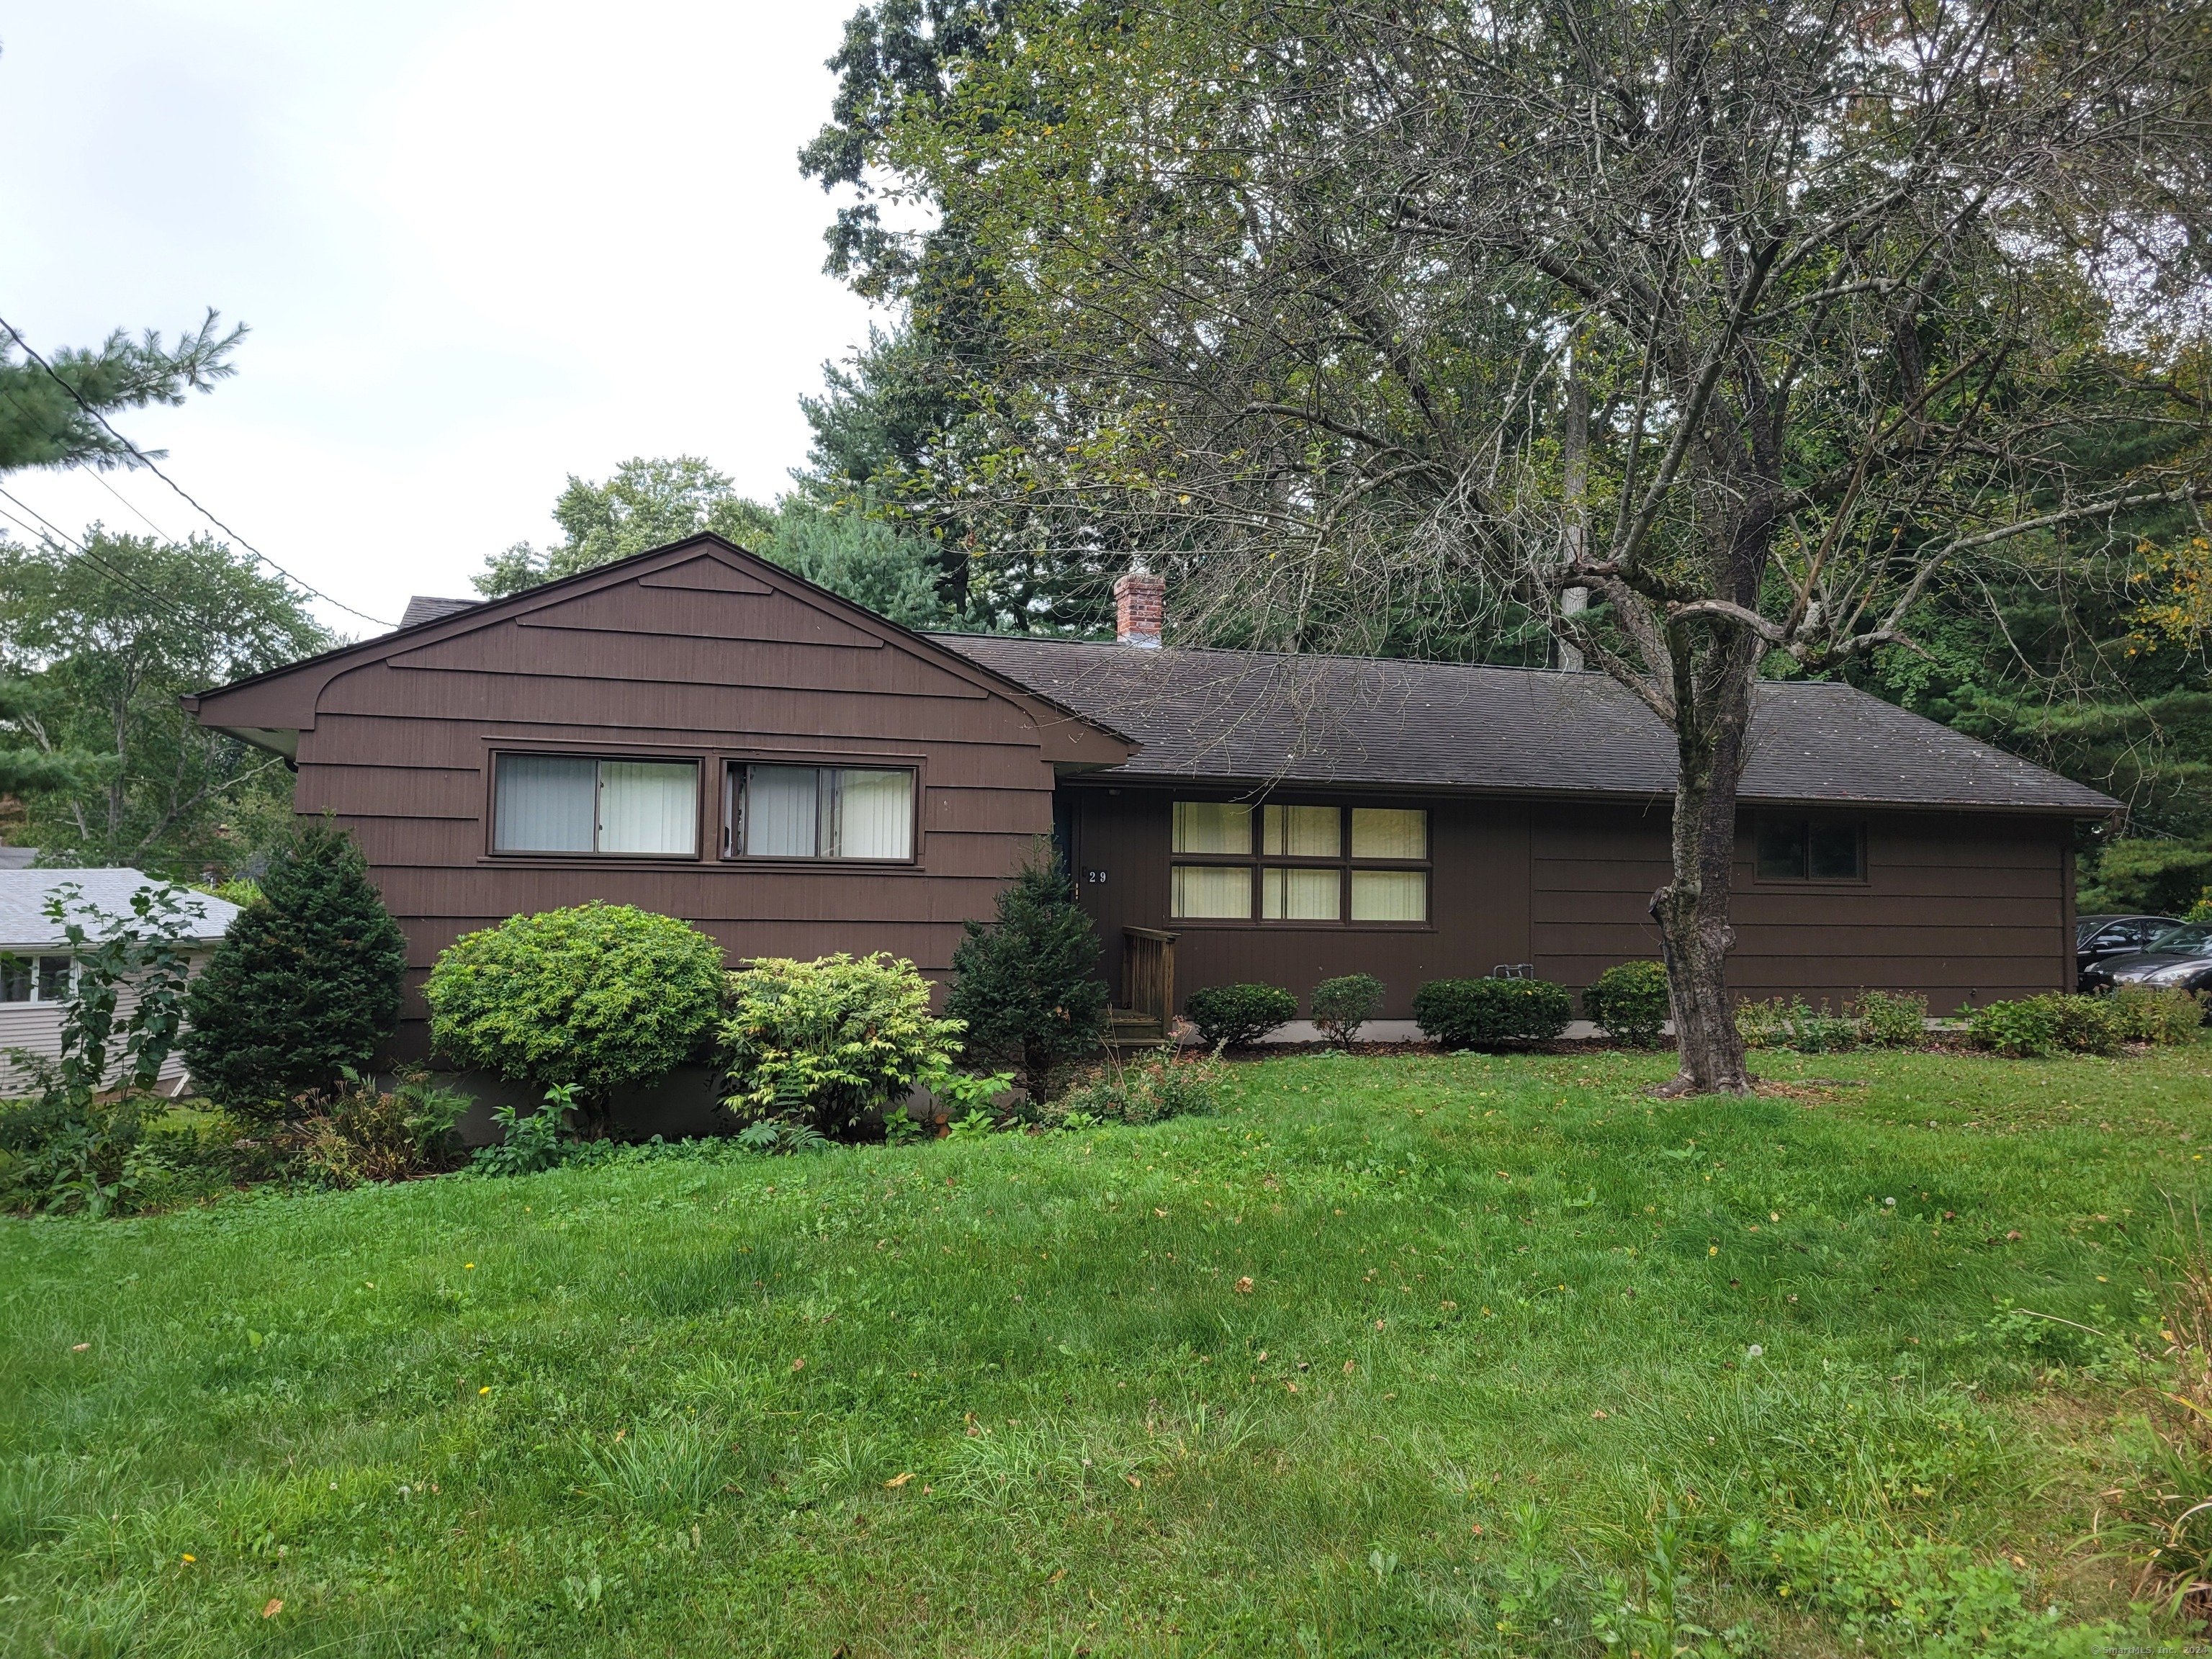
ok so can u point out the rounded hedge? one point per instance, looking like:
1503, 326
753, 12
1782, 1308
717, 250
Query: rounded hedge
1342, 1007
1488, 1013
1233, 1015
1629, 1001
596, 997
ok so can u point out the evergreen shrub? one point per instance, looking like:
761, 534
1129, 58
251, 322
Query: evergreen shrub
827, 1042
1234, 1015
592, 997
1629, 1001
1489, 1014
1342, 1005
1029, 989
306, 986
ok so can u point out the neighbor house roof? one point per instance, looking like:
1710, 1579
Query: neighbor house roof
24, 924
424, 608
1257, 718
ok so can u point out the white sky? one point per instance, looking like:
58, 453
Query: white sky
480, 245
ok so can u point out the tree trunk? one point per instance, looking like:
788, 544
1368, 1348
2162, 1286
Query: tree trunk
1692, 908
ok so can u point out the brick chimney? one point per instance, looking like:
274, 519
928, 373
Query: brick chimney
1140, 603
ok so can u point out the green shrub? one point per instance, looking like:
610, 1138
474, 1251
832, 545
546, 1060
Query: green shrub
61, 1151
73, 1145
304, 988
372, 1135
1028, 988
1229, 1015
1168, 1085
2053, 1023
1791, 1025
2164, 1015
1892, 1019
1342, 1007
1629, 1001
594, 998
830, 1040
527, 1144
1488, 1013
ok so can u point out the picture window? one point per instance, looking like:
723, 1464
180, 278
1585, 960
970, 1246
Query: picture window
1296, 864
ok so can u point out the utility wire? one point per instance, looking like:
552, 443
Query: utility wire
139, 456
161, 601
130, 507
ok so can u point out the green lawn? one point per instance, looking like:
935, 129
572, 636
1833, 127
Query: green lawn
1394, 1356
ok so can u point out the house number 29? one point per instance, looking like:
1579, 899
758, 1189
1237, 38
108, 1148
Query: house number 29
1095, 877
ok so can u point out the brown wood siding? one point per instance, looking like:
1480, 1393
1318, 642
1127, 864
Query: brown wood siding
1478, 898
400, 748
1960, 907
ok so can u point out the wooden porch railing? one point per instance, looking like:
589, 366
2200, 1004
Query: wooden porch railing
1148, 978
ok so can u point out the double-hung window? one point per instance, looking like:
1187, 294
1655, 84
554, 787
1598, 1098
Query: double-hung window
819, 813
1298, 863
584, 804
35, 979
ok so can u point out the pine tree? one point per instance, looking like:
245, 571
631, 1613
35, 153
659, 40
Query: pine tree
306, 983
1029, 984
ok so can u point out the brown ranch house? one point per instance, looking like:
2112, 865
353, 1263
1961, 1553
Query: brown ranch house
699, 732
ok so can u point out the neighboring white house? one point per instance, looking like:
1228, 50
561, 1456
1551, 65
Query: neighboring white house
36, 967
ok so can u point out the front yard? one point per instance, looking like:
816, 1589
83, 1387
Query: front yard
1402, 1355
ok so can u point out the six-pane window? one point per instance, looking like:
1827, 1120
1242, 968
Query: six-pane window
1309, 864
1809, 849
582, 804
820, 812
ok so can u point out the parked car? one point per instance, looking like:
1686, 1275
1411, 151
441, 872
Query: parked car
2181, 956
2096, 937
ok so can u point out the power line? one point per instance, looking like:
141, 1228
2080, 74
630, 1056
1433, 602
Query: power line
131, 507
139, 456
160, 601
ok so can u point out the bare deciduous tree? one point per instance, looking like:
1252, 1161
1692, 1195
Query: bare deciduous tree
1745, 323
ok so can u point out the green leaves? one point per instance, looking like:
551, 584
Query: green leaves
828, 1040
597, 996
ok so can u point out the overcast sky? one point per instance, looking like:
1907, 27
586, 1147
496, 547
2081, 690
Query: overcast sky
480, 246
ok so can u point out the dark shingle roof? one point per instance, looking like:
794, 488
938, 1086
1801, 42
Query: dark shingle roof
1256, 717
422, 609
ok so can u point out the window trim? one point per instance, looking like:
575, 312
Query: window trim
1344, 864
496, 748
31, 961
725, 809
1806, 821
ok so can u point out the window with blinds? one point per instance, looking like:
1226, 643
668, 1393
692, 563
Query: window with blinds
1289, 863
820, 812
584, 804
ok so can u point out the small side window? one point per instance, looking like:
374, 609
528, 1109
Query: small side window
1809, 849
1781, 849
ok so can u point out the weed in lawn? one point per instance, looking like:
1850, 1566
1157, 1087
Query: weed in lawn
662, 1469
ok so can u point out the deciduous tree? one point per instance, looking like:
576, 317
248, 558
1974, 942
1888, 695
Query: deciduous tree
1748, 327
